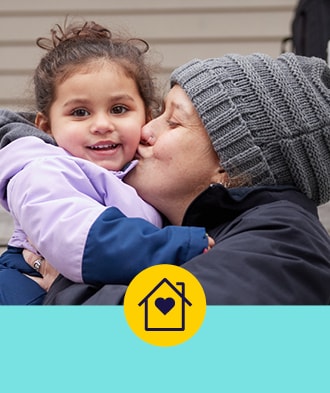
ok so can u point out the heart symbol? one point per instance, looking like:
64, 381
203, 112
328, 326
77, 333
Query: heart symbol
164, 305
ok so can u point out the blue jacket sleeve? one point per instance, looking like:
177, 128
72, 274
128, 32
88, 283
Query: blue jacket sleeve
134, 244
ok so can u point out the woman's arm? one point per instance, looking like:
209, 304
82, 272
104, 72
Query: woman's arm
14, 125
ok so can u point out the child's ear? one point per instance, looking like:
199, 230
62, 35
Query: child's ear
42, 122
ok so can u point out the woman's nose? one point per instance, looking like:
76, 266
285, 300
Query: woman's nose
147, 135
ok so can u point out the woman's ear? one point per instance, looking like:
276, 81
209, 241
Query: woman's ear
221, 176
42, 123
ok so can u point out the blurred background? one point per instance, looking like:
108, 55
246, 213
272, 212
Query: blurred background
177, 31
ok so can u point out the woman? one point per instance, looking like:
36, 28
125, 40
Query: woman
266, 154
242, 148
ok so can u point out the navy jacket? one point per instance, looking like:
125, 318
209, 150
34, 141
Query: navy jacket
270, 249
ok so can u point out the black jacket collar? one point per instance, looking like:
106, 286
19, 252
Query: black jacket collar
217, 204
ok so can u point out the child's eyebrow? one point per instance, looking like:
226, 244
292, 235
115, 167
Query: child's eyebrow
76, 101
121, 97
84, 101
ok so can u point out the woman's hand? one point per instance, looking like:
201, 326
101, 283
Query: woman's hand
47, 271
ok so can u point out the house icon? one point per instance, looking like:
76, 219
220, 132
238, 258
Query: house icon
164, 307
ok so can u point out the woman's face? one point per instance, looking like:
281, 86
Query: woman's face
177, 161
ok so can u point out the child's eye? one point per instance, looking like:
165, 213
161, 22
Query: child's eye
80, 112
119, 109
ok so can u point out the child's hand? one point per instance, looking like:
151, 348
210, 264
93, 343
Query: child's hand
211, 243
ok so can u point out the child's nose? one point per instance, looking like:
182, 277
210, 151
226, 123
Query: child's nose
102, 124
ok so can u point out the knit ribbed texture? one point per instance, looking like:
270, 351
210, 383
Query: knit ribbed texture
268, 119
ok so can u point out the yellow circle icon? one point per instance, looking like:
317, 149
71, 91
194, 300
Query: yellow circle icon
165, 305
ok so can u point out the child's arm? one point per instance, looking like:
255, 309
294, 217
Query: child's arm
130, 245
100, 244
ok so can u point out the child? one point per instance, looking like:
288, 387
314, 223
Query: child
93, 93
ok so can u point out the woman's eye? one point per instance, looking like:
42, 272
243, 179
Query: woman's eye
80, 112
119, 110
172, 124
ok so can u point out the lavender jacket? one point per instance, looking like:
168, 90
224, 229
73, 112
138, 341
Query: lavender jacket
90, 225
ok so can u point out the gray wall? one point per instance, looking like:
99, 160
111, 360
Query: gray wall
177, 30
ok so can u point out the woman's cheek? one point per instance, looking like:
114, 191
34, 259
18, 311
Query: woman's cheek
162, 151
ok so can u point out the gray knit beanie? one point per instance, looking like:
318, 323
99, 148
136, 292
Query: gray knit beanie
268, 119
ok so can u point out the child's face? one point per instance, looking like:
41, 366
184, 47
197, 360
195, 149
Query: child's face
97, 115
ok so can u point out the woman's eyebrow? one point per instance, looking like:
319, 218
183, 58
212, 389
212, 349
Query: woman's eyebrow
183, 109
174, 105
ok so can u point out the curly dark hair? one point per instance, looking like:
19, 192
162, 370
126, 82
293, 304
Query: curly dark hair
79, 44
